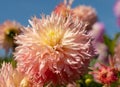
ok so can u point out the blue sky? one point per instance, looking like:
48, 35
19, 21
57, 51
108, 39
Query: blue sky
22, 10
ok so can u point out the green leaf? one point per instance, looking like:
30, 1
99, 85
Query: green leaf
110, 44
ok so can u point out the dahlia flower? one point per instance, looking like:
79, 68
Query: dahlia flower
8, 30
54, 50
85, 13
10, 77
105, 74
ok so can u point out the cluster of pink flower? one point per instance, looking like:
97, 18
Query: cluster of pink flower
57, 49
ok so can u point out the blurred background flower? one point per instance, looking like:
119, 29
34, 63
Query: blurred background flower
8, 30
85, 13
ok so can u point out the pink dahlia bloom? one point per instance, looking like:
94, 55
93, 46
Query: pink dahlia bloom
85, 13
10, 77
54, 50
8, 30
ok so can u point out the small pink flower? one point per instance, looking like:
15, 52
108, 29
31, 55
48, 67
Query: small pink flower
54, 49
10, 77
7, 32
105, 74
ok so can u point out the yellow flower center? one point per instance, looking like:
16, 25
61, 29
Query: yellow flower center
52, 36
10, 33
24, 83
